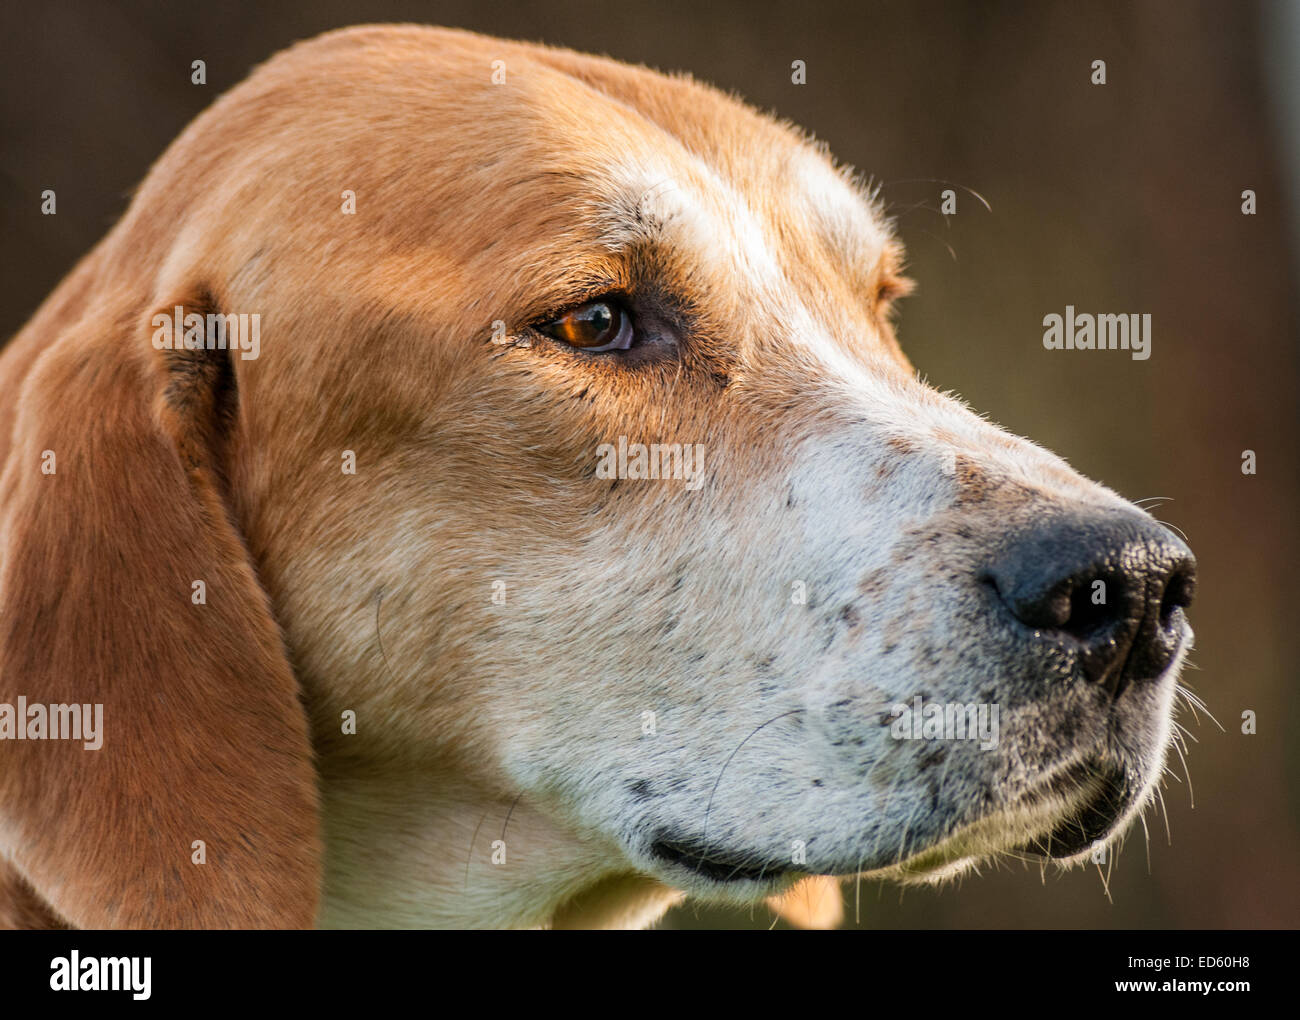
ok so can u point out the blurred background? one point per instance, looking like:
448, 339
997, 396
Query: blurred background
1123, 197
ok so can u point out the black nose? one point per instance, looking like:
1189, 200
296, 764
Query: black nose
1114, 582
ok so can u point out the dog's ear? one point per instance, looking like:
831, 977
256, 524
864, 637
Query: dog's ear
125, 584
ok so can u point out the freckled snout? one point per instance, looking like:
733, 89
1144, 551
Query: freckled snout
1110, 584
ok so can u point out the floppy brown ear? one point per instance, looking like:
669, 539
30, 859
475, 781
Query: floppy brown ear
200, 807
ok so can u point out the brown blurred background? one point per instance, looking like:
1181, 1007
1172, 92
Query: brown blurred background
1117, 198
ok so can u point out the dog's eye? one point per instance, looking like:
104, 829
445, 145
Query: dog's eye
596, 326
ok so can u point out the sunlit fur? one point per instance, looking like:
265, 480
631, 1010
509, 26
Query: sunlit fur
762, 276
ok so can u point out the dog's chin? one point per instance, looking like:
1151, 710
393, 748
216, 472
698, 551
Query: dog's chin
1110, 804
1064, 821
1084, 808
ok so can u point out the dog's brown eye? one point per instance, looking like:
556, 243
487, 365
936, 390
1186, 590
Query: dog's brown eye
595, 326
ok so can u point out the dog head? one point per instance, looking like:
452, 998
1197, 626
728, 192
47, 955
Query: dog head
615, 546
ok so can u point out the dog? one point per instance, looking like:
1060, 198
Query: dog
480, 486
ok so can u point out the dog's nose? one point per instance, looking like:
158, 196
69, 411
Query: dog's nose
1116, 583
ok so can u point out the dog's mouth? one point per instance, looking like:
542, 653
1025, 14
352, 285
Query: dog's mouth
1090, 823
1109, 796
715, 863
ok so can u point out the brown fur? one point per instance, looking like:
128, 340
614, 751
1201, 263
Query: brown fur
174, 467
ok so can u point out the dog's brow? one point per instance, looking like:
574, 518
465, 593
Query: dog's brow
846, 211
637, 214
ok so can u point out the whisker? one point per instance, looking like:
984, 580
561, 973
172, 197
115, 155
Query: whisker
937, 180
885, 809
1160, 799
718, 781
470, 856
902, 210
951, 251
508, 814
943, 776
1197, 704
1174, 527
1146, 834
857, 896
1105, 880
1191, 795
1182, 734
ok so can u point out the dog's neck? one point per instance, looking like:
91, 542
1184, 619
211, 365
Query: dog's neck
418, 849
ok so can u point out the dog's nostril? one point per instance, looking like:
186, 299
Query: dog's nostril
1111, 582
1077, 606
1093, 607
1080, 606
1178, 593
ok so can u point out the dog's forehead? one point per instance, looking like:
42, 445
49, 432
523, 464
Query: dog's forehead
770, 221
692, 201
655, 152
845, 213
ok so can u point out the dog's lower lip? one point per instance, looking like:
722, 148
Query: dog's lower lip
712, 862
1084, 827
